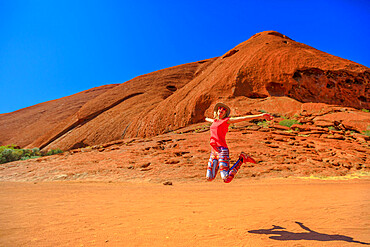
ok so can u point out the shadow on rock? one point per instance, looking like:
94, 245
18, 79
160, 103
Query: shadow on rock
284, 235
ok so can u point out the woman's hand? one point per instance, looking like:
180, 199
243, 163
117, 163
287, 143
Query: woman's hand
267, 116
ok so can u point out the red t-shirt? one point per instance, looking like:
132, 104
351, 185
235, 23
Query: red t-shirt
219, 129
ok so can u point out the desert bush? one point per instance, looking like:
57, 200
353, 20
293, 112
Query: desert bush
30, 153
288, 122
263, 123
13, 146
54, 151
36, 152
9, 155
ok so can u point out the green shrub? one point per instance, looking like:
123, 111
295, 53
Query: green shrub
36, 152
13, 146
288, 122
263, 123
54, 151
366, 132
9, 155
30, 157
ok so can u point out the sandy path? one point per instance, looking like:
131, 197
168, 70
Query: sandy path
186, 214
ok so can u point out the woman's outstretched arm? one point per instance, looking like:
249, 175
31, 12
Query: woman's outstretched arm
250, 117
209, 119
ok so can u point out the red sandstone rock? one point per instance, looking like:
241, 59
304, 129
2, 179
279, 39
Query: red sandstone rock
282, 67
268, 72
118, 113
305, 127
279, 127
24, 126
352, 120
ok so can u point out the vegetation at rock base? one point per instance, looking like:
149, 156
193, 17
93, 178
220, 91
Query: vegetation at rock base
288, 122
367, 132
13, 152
263, 124
53, 151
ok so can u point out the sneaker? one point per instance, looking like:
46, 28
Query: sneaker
246, 158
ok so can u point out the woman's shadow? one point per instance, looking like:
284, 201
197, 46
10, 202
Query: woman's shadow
283, 235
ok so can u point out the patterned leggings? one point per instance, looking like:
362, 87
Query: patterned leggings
220, 160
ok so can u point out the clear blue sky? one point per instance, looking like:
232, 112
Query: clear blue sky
51, 49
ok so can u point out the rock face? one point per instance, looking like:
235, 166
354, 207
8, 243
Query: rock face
268, 64
269, 71
24, 126
116, 114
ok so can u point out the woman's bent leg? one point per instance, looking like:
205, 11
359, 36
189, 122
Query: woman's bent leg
235, 168
212, 167
224, 163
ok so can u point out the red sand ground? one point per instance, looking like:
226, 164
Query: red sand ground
266, 212
113, 195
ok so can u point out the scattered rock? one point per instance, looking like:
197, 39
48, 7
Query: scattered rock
279, 127
164, 141
173, 145
167, 183
279, 139
264, 129
254, 128
145, 165
172, 162
180, 153
360, 137
335, 136
285, 133
324, 124
305, 127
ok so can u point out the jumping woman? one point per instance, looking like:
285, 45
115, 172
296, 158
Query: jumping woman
219, 158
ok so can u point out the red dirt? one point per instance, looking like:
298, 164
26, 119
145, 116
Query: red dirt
245, 213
